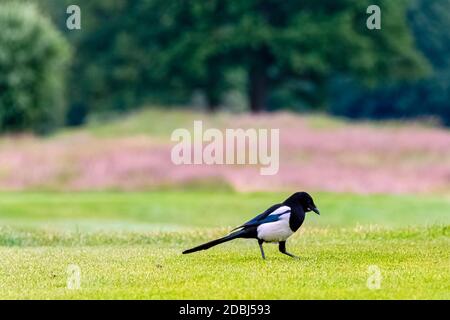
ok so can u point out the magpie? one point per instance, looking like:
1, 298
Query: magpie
276, 224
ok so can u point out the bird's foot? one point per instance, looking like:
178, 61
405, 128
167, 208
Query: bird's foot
292, 256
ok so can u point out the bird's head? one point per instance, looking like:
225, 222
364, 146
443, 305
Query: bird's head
305, 201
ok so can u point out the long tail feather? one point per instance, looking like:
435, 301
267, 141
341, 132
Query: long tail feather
213, 243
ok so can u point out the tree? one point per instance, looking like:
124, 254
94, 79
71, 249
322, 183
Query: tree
278, 42
133, 51
429, 21
33, 60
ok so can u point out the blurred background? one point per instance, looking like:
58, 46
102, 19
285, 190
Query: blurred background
86, 117
363, 111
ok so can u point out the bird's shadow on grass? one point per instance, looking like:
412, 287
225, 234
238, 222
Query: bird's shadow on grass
244, 258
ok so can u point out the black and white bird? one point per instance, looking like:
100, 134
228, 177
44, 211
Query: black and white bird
276, 224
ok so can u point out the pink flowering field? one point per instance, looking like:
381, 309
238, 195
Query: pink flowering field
316, 153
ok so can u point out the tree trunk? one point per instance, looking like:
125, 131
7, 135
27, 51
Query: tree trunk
214, 86
258, 87
212, 106
212, 98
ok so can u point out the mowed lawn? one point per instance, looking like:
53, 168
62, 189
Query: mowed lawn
128, 246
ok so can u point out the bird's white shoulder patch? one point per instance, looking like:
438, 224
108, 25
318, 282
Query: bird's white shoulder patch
275, 231
280, 210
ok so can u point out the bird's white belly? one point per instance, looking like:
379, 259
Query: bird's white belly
275, 231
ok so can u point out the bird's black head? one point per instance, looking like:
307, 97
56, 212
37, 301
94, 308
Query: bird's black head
304, 200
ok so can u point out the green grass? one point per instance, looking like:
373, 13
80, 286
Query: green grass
128, 246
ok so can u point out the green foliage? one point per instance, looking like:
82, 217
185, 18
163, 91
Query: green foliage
132, 52
430, 22
282, 43
160, 210
33, 57
121, 53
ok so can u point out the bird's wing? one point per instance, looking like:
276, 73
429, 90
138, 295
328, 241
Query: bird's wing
270, 215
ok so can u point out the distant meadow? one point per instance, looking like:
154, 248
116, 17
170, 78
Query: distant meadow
317, 153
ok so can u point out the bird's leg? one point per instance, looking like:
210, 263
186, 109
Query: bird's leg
260, 242
282, 248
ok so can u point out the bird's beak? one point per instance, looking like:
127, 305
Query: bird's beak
316, 211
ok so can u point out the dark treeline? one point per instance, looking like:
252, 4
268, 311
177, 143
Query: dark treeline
301, 55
